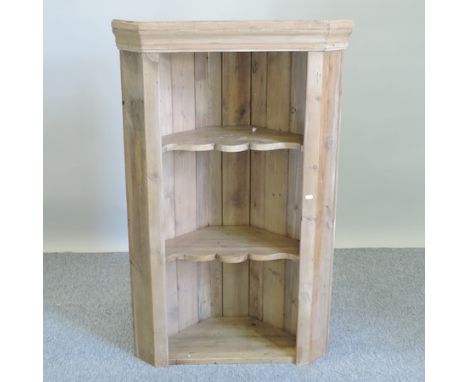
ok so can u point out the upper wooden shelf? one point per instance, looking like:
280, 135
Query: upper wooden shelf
232, 244
231, 139
205, 36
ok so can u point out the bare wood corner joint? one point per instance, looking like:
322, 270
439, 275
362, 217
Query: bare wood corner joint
231, 135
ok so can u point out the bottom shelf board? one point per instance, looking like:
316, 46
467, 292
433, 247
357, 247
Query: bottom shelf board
231, 340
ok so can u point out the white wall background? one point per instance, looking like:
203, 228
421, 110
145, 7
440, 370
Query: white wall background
381, 185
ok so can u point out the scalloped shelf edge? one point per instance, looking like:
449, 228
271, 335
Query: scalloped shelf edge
231, 259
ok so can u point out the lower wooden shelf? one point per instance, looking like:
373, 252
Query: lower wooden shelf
231, 340
232, 244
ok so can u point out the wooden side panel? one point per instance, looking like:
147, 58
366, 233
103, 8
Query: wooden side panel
317, 229
236, 75
185, 182
144, 170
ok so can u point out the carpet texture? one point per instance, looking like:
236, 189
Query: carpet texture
376, 334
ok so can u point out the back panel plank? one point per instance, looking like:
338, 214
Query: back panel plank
258, 171
236, 75
298, 95
183, 112
276, 181
294, 208
208, 112
236, 289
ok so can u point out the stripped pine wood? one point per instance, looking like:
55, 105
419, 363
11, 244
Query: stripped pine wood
236, 175
172, 297
236, 111
187, 289
232, 139
256, 289
320, 151
231, 244
143, 172
291, 290
258, 169
311, 166
208, 112
235, 289
323, 258
295, 173
165, 121
231, 340
276, 177
236, 36
210, 289
230, 159
183, 111
273, 293
298, 96
259, 88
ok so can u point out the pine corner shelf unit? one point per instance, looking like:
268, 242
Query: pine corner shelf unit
231, 133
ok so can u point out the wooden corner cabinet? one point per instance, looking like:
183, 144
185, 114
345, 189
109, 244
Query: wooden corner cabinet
231, 133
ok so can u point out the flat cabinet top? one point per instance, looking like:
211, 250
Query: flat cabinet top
239, 36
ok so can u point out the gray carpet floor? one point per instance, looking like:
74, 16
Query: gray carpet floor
377, 323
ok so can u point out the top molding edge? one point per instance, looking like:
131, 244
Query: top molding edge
239, 36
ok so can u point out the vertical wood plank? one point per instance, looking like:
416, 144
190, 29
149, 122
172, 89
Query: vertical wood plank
256, 289
143, 170
165, 123
273, 292
294, 209
185, 199
291, 285
183, 111
259, 89
236, 111
187, 289
235, 289
258, 158
298, 96
210, 289
236, 175
236, 88
208, 112
258, 171
276, 181
172, 298
320, 158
